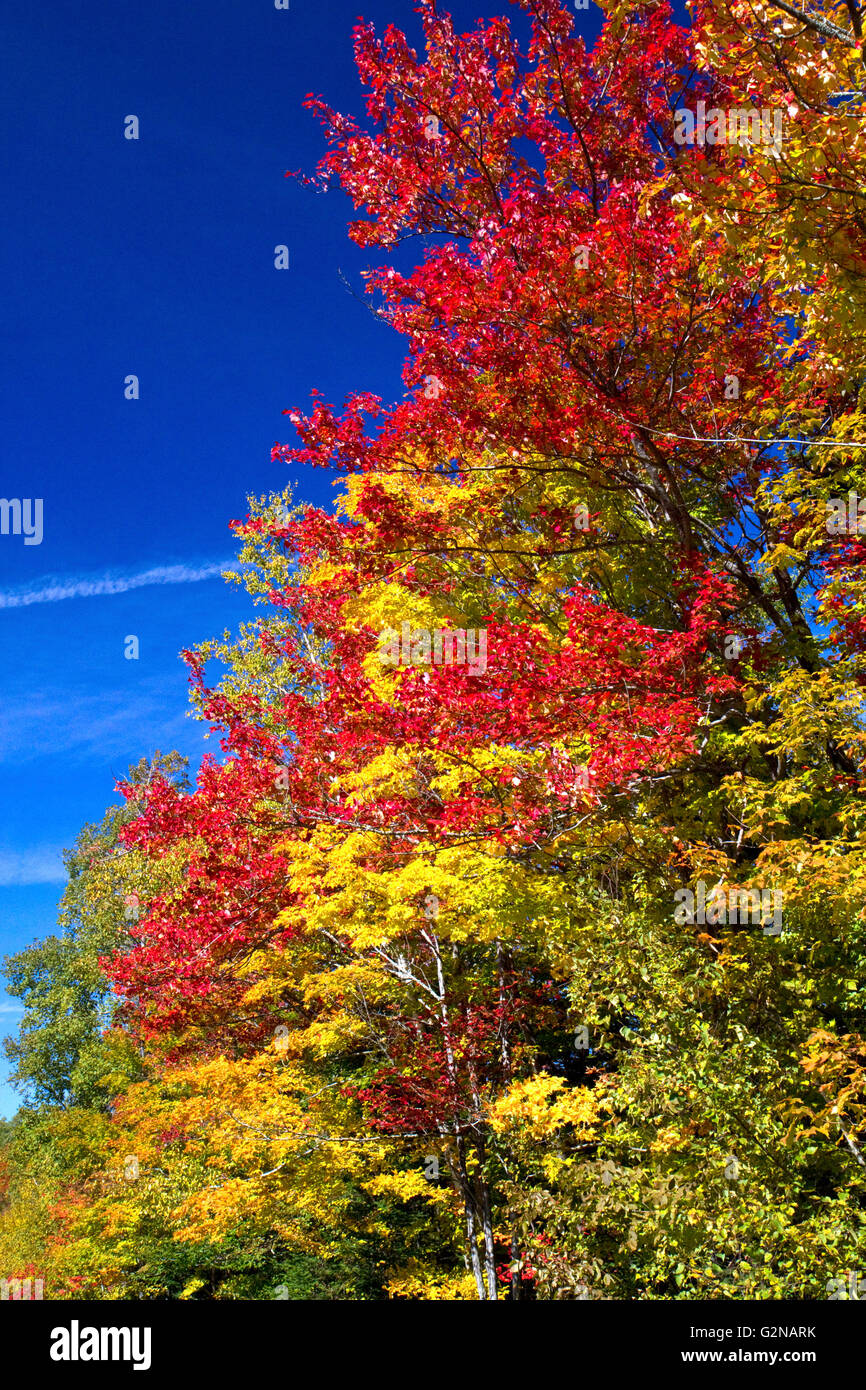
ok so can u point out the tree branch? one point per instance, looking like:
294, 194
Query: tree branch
821, 26
854, 11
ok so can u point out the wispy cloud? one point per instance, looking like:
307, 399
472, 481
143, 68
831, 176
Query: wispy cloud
113, 726
56, 589
20, 868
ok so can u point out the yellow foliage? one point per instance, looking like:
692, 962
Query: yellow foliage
415, 1282
543, 1104
405, 1186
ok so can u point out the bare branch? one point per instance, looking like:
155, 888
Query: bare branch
821, 26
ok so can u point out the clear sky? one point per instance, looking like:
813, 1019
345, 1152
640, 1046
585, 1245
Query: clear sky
153, 257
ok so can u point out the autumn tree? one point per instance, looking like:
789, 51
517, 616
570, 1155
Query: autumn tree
429, 909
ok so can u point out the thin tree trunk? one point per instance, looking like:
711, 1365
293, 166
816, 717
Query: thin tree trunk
516, 1280
462, 1175
502, 963
465, 1189
489, 1254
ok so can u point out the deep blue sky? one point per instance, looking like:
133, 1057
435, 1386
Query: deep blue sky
153, 257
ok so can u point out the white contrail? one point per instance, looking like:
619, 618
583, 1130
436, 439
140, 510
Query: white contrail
52, 590
20, 868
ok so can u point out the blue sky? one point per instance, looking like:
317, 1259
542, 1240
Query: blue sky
153, 257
